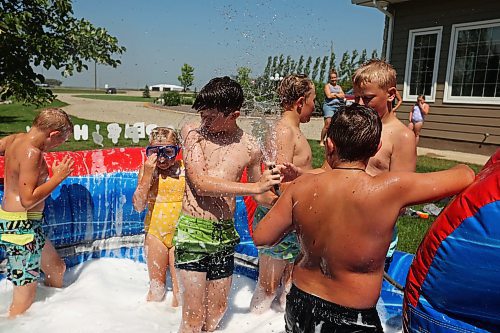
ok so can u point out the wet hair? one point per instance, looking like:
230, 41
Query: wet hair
333, 71
164, 134
221, 93
53, 119
292, 87
375, 71
355, 130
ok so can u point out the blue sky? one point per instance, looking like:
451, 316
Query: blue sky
217, 37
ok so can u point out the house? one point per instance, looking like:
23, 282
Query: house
448, 50
165, 87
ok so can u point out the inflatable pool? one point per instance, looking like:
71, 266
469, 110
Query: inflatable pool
90, 215
452, 284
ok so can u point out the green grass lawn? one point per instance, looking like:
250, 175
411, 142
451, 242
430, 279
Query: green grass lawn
15, 117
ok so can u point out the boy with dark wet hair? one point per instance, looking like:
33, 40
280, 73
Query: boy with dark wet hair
215, 155
338, 276
21, 214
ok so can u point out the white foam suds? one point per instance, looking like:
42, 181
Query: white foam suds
108, 295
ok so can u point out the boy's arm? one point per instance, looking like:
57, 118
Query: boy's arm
140, 197
266, 199
277, 223
404, 152
4, 142
29, 173
415, 188
205, 185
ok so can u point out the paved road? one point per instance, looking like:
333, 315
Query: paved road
132, 112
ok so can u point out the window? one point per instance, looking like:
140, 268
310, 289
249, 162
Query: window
473, 63
422, 57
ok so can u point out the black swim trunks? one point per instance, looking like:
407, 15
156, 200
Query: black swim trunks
307, 313
217, 265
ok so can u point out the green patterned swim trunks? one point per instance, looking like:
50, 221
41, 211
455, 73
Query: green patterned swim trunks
197, 238
287, 249
22, 236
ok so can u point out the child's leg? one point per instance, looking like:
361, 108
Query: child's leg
52, 266
157, 261
324, 130
270, 273
417, 129
193, 293
22, 298
286, 284
217, 296
173, 276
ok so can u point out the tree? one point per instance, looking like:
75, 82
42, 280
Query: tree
300, 65
323, 69
315, 69
286, 66
332, 60
186, 78
44, 33
307, 68
243, 77
363, 57
374, 54
53, 82
145, 92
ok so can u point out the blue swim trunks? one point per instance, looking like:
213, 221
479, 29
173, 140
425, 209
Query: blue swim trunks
287, 249
22, 236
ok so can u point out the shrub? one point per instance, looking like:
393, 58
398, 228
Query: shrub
171, 98
187, 100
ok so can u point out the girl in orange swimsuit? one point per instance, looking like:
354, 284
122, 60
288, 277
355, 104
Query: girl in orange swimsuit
160, 188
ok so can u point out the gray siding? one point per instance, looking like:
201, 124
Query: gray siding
460, 122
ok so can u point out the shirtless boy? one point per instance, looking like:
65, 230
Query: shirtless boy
297, 96
215, 155
25, 189
338, 276
375, 86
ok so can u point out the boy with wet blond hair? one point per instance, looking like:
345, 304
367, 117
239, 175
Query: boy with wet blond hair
25, 189
297, 95
375, 86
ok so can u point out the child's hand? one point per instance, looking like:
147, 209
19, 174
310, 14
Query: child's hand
63, 169
289, 172
270, 177
150, 163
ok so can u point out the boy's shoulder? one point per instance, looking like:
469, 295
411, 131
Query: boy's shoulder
397, 129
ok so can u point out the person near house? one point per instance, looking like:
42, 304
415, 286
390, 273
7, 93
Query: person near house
417, 116
375, 86
334, 97
338, 275
396, 102
297, 94
160, 189
215, 155
26, 186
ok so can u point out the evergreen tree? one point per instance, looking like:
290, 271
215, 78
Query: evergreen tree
293, 67
323, 69
374, 54
274, 68
279, 69
307, 68
145, 92
286, 66
315, 68
362, 58
332, 61
300, 65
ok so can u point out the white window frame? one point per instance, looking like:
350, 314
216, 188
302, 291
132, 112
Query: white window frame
448, 98
409, 59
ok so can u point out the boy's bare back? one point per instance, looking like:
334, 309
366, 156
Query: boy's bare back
21, 157
224, 158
